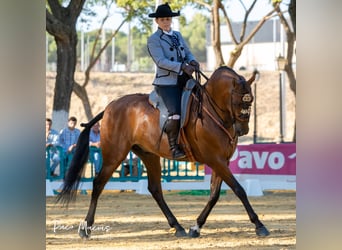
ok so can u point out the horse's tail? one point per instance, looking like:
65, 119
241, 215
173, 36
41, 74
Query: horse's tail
79, 159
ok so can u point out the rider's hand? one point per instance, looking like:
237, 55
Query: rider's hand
195, 64
188, 69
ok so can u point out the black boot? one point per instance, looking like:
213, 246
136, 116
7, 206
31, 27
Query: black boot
172, 129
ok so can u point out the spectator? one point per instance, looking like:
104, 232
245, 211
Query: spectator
94, 141
51, 143
68, 138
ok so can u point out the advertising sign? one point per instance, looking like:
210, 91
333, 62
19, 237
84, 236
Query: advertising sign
263, 159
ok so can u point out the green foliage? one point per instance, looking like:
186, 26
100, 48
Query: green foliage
139, 42
136, 9
121, 46
195, 34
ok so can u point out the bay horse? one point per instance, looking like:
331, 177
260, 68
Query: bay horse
131, 123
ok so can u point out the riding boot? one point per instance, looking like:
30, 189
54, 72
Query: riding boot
172, 129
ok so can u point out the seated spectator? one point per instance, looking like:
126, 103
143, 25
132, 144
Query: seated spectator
94, 141
68, 138
51, 143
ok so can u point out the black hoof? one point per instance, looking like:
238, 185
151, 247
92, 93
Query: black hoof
181, 233
193, 233
262, 231
84, 234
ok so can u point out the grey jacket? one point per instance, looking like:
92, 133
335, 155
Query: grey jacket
167, 58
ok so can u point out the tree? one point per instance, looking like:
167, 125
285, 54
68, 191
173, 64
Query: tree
80, 90
214, 7
61, 24
244, 38
292, 12
291, 38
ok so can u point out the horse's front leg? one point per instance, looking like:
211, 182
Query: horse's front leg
260, 229
215, 188
152, 163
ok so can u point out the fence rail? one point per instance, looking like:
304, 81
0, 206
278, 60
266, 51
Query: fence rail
132, 169
257, 167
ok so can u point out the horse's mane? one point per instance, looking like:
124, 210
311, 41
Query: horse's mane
241, 79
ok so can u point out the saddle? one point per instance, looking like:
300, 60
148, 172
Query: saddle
157, 102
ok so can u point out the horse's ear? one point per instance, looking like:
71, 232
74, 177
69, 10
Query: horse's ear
255, 75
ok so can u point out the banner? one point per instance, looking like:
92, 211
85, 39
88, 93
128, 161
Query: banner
265, 159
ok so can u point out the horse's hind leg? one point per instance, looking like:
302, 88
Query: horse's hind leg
215, 188
152, 163
98, 184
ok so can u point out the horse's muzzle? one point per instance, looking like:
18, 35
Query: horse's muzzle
241, 129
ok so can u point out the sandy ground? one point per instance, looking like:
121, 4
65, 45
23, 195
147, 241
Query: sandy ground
131, 221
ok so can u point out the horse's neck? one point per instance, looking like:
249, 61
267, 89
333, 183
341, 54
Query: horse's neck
215, 107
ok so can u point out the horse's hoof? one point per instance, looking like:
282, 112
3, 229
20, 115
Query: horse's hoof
181, 233
193, 233
262, 231
83, 234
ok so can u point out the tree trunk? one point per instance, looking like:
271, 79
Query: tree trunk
61, 24
291, 38
81, 92
215, 34
292, 12
289, 71
234, 55
66, 63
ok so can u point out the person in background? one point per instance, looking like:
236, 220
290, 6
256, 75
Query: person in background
174, 67
68, 138
94, 141
131, 158
51, 136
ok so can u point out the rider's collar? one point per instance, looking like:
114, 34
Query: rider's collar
170, 33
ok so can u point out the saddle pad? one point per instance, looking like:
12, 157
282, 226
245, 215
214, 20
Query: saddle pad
190, 84
158, 103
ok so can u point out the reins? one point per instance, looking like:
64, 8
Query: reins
212, 103
219, 124
201, 73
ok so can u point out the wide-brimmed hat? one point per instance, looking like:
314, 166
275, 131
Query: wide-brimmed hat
164, 10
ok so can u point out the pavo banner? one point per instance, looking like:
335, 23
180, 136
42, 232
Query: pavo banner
264, 159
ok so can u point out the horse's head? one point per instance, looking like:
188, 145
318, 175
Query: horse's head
241, 103
232, 95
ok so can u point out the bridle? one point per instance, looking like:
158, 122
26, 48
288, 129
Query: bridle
245, 101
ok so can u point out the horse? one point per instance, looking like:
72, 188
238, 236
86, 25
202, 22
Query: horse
219, 113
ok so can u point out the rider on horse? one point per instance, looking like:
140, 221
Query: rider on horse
174, 66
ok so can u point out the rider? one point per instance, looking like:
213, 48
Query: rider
174, 66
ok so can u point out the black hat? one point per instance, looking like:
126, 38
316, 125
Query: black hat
164, 10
